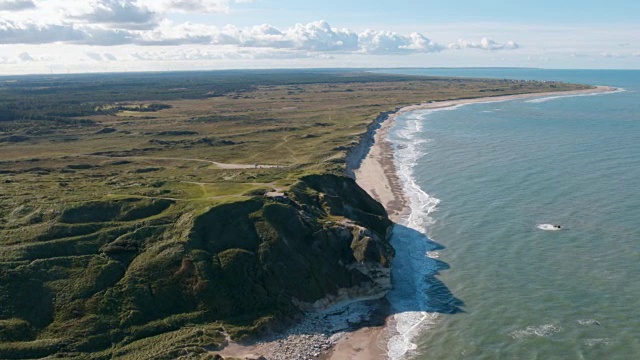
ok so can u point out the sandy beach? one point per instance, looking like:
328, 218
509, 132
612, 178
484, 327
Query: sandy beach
375, 173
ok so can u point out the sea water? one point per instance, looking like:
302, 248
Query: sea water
476, 276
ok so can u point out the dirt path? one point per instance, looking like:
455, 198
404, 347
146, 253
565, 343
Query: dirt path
219, 165
171, 198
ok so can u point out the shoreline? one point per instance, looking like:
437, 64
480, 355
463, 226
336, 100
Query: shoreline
376, 172
371, 163
377, 175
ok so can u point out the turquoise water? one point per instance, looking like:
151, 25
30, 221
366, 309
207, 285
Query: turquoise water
487, 283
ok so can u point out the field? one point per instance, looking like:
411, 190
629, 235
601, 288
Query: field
107, 182
179, 153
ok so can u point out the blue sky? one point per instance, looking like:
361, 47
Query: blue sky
367, 13
45, 36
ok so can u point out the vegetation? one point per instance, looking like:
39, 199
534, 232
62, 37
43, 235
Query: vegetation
133, 220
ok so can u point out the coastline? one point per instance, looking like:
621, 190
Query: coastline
376, 173
325, 335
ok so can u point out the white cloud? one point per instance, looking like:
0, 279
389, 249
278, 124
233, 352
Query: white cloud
580, 55
25, 57
91, 26
117, 14
190, 6
186, 6
546, 46
484, 44
181, 55
613, 55
6, 60
107, 25
94, 56
16, 5
170, 34
227, 53
33, 33
384, 42
146, 23
316, 36
320, 36
122, 14
100, 57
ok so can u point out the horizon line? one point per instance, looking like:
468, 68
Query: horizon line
364, 69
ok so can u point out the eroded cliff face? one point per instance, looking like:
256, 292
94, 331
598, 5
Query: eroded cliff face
324, 241
357, 153
110, 274
356, 220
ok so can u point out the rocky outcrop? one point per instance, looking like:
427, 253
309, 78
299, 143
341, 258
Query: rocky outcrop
377, 274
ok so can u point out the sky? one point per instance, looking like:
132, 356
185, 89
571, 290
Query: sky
77, 36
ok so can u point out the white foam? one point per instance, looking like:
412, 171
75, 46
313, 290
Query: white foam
549, 98
601, 341
548, 227
545, 330
433, 254
414, 260
489, 111
408, 152
407, 298
408, 325
587, 322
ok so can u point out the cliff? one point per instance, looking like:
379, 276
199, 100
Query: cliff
357, 152
125, 278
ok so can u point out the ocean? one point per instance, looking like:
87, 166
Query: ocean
475, 277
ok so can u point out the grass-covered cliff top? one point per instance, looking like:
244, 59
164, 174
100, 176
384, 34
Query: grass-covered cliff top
132, 217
